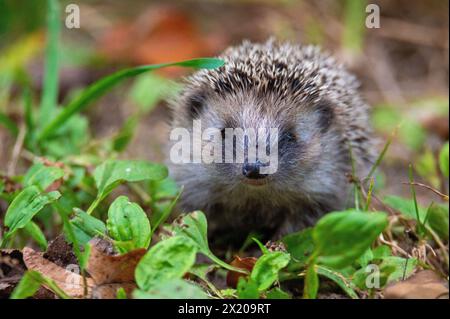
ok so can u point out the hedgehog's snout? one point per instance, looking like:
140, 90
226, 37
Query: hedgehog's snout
252, 170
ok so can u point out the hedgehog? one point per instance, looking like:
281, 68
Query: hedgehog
323, 135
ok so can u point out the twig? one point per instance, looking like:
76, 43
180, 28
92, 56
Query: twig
16, 150
442, 195
394, 246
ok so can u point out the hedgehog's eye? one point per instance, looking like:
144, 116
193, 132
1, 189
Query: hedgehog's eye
326, 115
195, 104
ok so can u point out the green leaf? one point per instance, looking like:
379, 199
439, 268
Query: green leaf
195, 227
85, 227
381, 251
426, 167
311, 283
406, 207
343, 282
265, 271
403, 267
33, 230
247, 289
50, 84
146, 99
277, 293
163, 189
42, 176
171, 289
27, 204
27, 287
168, 259
365, 258
443, 160
99, 88
300, 245
113, 172
127, 222
121, 293
125, 135
71, 138
30, 283
342, 237
438, 220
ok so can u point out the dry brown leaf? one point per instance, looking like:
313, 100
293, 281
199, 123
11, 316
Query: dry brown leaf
106, 269
425, 284
246, 263
70, 282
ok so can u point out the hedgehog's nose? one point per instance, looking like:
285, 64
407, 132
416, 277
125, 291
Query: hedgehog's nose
251, 170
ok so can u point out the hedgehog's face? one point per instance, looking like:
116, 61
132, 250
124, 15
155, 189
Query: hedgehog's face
281, 145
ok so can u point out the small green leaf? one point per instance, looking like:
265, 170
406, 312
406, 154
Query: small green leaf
163, 189
172, 289
365, 258
343, 282
30, 283
342, 237
168, 259
300, 245
85, 226
26, 288
121, 293
125, 134
27, 204
127, 222
311, 283
381, 251
113, 172
404, 267
277, 293
443, 160
265, 271
195, 227
146, 99
247, 289
42, 176
406, 207
438, 220
33, 230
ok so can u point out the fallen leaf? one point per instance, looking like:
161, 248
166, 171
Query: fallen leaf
425, 284
246, 263
70, 282
105, 268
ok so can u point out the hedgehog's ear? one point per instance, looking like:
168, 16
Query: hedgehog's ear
325, 111
195, 103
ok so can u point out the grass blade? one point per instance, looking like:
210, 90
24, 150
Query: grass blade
382, 154
50, 84
100, 87
413, 194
